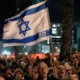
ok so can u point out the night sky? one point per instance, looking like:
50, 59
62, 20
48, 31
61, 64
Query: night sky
8, 9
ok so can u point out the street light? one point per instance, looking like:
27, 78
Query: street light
54, 25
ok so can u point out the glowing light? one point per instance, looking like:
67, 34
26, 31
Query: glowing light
56, 47
55, 59
58, 25
42, 50
5, 52
54, 25
25, 53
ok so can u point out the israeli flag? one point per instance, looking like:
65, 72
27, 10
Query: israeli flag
29, 27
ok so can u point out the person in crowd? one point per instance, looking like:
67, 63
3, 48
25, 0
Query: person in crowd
43, 72
54, 73
19, 75
76, 65
9, 75
35, 73
62, 72
28, 72
29, 69
52, 64
14, 65
69, 70
3, 66
74, 77
23, 65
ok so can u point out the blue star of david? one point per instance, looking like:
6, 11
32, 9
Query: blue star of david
25, 24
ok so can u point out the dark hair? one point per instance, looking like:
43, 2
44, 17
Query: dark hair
78, 60
26, 67
3, 62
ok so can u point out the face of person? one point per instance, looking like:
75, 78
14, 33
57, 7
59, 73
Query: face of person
23, 64
10, 30
43, 70
9, 73
54, 71
69, 71
35, 74
62, 70
76, 61
29, 69
19, 76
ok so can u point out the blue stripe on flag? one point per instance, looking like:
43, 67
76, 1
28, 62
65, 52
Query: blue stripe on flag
27, 39
30, 11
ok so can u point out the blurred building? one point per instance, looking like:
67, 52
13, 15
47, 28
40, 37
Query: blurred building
57, 35
44, 47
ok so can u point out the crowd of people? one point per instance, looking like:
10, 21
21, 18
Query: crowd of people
40, 69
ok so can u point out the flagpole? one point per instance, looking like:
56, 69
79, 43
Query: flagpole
51, 48
17, 11
51, 44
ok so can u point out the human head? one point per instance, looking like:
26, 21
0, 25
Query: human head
68, 70
62, 71
29, 68
42, 69
54, 71
74, 77
76, 60
35, 73
19, 74
23, 64
9, 73
2, 64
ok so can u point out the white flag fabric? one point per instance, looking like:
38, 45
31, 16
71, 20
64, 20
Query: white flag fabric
29, 27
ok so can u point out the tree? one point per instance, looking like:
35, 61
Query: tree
67, 8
